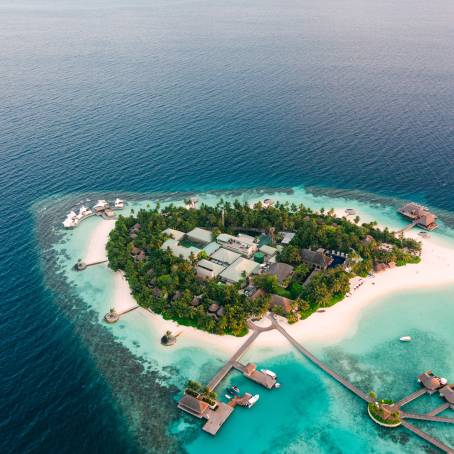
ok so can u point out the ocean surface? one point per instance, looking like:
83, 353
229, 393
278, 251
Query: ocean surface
151, 99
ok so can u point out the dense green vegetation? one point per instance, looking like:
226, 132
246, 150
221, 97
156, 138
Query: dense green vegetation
168, 285
384, 410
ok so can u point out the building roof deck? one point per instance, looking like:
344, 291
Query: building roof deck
216, 418
234, 272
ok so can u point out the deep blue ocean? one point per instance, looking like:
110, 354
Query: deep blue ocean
180, 95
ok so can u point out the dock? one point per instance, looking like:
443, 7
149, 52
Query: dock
216, 418
425, 436
80, 265
113, 316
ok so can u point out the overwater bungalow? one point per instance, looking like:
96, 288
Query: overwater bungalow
419, 214
194, 406
430, 381
447, 392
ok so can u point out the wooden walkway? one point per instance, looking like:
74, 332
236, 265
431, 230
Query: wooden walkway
427, 417
128, 310
439, 409
229, 364
411, 397
427, 437
320, 364
408, 227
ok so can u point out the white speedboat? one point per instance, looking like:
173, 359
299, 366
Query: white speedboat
252, 401
269, 372
119, 204
443, 381
405, 339
277, 385
228, 397
71, 220
101, 205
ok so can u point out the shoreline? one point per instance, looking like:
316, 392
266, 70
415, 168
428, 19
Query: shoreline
436, 269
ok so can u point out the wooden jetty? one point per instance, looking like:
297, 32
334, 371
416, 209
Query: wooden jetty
412, 397
250, 371
426, 417
113, 316
320, 364
216, 418
425, 436
80, 265
229, 364
439, 409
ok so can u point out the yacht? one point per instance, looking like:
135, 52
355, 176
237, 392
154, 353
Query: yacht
252, 401
101, 205
119, 204
269, 372
71, 220
405, 339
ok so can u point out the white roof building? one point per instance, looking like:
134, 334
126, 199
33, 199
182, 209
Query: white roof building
208, 270
199, 235
286, 237
242, 244
178, 250
225, 256
211, 248
234, 273
268, 250
175, 234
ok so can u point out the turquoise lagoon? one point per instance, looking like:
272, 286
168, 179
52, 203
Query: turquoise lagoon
310, 412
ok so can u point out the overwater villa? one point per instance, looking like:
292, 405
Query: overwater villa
447, 392
100, 205
73, 219
119, 204
420, 215
431, 382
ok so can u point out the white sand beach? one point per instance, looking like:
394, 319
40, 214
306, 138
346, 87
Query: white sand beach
436, 269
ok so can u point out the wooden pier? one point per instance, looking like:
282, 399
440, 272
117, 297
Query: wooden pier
412, 397
217, 417
425, 436
81, 266
113, 316
320, 364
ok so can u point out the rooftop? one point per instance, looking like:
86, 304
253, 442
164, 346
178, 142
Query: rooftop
211, 266
225, 256
234, 273
175, 234
200, 235
281, 270
178, 250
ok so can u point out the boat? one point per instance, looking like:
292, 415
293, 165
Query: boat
269, 372
119, 204
443, 381
405, 339
233, 390
277, 385
252, 401
71, 220
101, 205
228, 397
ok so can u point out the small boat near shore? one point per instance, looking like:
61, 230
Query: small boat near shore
405, 339
269, 372
252, 401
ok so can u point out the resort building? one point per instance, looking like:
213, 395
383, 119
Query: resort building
281, 270
193, 406
238, 270
242, 244
208, 270
224, 256
317, 259
179, 251
286, 237
287, 305
200, 236
430, 381
175, 234
211, 248
269, 252
420, 215
448, 393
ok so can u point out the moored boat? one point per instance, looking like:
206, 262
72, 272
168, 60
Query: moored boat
269, 372
405, 339
253, 400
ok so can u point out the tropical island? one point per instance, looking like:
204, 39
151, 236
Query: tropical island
215, 267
